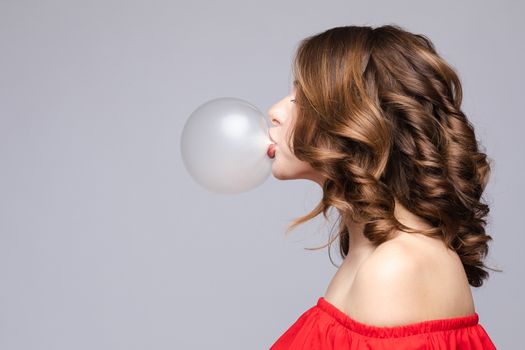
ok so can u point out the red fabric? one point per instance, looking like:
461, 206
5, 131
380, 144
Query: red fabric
324, 327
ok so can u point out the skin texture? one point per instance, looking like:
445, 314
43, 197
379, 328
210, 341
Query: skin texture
410, 278
285, 165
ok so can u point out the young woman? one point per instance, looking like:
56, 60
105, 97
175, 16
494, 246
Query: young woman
374, 118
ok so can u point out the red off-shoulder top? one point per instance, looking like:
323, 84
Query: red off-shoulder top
325, 327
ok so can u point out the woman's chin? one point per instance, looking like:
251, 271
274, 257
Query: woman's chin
279, 173
295, 172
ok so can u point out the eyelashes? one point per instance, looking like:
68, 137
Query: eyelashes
292, 100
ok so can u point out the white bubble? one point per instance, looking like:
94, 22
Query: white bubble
224, 144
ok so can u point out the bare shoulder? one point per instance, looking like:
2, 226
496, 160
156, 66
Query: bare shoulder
408, 280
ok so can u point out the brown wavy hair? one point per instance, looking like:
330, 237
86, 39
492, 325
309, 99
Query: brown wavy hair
379, 117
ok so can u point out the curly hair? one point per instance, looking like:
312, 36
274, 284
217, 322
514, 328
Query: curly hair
379, 117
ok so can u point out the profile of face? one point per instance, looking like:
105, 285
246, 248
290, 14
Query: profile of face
285, 165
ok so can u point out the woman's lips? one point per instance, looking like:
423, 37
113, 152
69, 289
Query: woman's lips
271, 150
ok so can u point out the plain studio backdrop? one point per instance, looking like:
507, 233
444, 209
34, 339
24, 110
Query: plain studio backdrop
106, 242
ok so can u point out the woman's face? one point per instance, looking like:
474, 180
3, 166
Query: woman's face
285, 165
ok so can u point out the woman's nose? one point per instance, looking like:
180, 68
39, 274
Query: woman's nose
273, 116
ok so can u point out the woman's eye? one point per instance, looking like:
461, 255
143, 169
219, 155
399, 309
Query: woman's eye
292, 100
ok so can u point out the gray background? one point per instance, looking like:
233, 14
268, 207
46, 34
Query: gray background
105, 240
